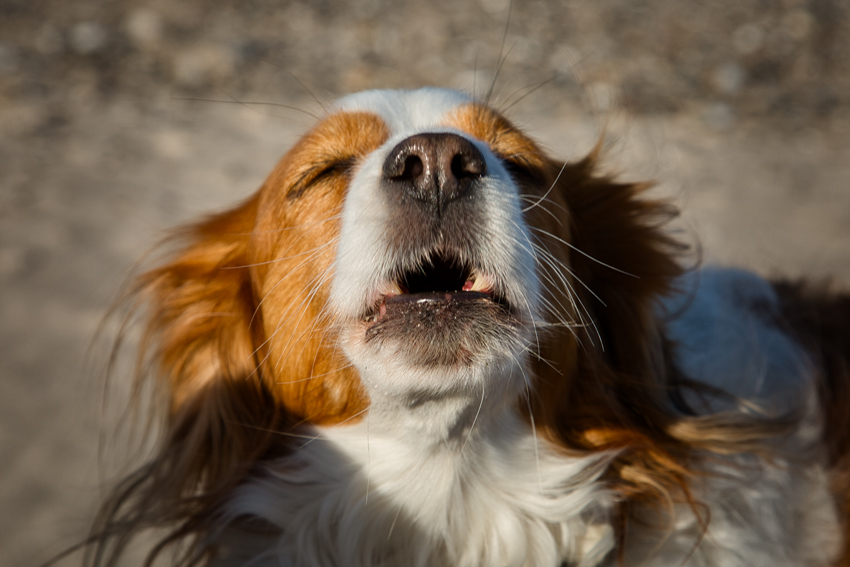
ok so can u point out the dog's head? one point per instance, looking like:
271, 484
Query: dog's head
413, 246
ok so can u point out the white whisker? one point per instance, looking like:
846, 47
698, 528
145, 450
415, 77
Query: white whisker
585, 254
549, 190
474, 419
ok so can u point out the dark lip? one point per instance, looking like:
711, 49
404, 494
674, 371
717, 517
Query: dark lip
437, 296
391, 303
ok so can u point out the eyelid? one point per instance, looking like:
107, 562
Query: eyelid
519, 167
341, 165
318, 172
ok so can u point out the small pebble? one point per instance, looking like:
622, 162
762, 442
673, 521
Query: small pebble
87, 38
748, 38
728, 78
144, 26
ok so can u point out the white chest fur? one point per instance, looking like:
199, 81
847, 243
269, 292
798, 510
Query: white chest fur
495, 497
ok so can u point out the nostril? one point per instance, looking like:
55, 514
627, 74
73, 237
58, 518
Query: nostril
413, 168
466, 165
406, 162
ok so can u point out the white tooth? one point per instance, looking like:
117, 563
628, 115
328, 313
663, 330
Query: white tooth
481, 283
389, 288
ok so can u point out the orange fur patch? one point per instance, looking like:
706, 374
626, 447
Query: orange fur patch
295, 238
246, 298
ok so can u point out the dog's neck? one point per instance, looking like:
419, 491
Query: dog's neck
449, 409
448, 422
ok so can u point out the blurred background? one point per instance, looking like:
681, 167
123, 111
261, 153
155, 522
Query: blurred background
120, 119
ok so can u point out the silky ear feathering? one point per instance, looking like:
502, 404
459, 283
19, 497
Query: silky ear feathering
425, 342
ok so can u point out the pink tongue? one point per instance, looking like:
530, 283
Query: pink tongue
468, 285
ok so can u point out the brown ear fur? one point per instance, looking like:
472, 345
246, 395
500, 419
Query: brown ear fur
623, 255
607, 382
609, 391
621, 262
198, 347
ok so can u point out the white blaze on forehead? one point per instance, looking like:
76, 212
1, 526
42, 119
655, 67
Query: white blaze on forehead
405, 110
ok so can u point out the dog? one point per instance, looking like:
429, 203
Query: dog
425, 342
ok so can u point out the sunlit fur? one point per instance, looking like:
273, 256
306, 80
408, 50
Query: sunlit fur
587, 419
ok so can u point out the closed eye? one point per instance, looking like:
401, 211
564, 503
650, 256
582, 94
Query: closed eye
520, 170
320, 172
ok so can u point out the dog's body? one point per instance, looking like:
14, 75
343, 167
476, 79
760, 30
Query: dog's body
423, 342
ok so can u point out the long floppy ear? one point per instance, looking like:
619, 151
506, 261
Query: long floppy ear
624, 258
608, 387
199, 351
200, 333
599, 382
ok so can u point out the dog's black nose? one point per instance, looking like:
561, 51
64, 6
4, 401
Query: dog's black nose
435, 168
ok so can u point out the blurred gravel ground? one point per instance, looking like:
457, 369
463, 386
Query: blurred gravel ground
741, 109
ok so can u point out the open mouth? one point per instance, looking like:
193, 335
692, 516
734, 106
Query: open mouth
440, 280
444, 313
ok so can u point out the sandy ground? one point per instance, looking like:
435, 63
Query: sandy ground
739, 109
